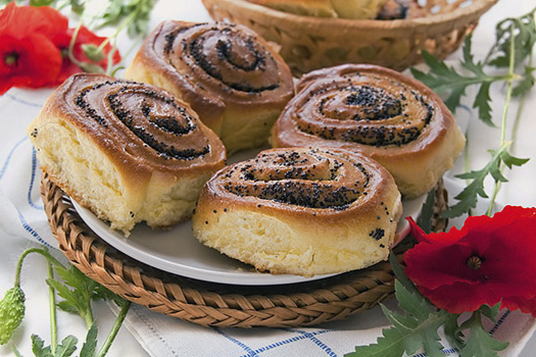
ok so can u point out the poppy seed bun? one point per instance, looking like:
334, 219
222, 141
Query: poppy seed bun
302, 211
128, 151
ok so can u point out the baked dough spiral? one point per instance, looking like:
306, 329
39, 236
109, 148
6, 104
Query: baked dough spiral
379, 112
128, 151
301, 211
231, 77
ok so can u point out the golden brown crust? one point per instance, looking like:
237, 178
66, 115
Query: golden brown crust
215, 67
301, 200
321, 184
377, 111
142, 128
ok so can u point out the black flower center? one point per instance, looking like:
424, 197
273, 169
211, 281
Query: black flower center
11, 59
474, 262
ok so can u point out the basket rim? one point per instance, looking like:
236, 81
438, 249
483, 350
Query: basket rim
477, 7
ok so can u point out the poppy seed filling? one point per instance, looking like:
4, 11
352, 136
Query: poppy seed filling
225, 53
178, 124
312, 179
355, 110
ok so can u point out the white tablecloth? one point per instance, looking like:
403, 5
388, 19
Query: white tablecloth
21, 217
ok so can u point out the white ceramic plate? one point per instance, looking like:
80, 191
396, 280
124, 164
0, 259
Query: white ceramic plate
178, 252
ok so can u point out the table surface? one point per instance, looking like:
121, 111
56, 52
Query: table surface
480, 136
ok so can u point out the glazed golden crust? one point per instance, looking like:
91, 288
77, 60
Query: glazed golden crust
377, 111
142, 129
123, 148
301, 200
221, 69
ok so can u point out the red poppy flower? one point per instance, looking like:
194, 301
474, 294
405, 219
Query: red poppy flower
20, 21
32, 62
28, 53
523, 304
490, 259
33, 47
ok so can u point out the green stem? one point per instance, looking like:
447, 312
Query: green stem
466, 158
496, 189
115, 329
52, 311
508, 99
70, 52
89, 320
24, 254
113, 69
517, 120
110, 61
477, 318
51, 261
513, 137
120, 28
16, 352
474, 80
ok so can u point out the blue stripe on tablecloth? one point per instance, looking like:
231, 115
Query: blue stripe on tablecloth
499, 322
249, 350
31, 231
21, 217
10, 155
32, 180
23, 101
316, 341
285, 342
33, 172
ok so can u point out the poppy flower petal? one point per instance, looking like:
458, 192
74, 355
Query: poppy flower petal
32, 62
488, 260
526, 305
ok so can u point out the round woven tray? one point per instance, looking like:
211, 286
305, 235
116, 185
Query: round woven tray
210, 304
309, 42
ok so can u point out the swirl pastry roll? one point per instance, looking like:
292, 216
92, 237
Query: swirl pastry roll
128, 151
302, 211
394, 119
230, 76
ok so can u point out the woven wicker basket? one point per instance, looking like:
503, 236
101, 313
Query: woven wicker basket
211, 304
309, 43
